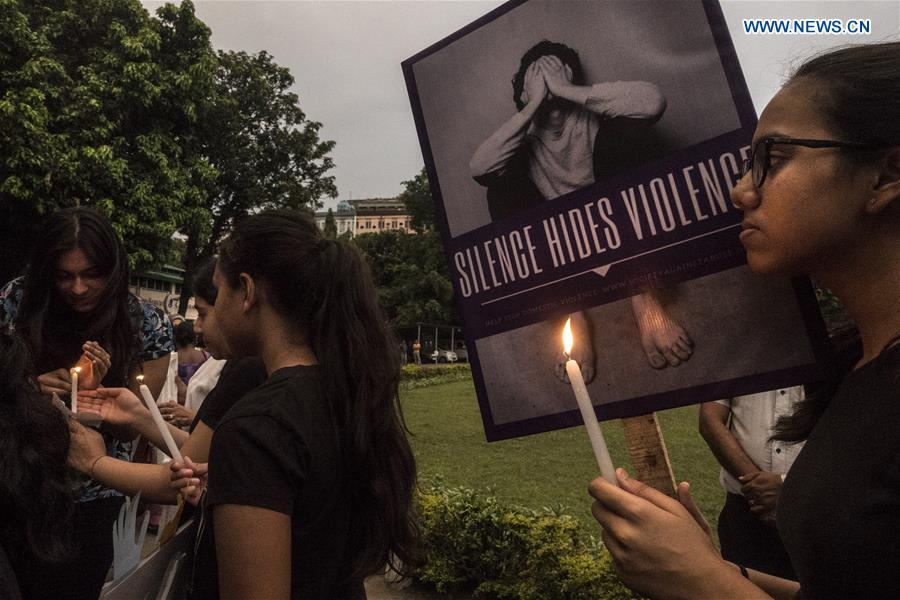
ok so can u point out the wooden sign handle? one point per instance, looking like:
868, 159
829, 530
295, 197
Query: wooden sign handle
648, 453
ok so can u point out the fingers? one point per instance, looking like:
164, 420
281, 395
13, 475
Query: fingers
612, 523
58, 381
96, 353
199, 468
644, 491
619, 501
49, 389
167, 410
683, 491
551, 62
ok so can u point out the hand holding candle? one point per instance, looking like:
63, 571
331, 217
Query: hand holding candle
160, 423
601, 452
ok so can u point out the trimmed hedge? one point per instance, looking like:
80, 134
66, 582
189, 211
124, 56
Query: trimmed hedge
473, 542
413, 376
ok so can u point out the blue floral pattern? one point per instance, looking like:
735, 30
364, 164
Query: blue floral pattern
156, 340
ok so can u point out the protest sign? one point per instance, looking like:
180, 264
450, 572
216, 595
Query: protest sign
581, 157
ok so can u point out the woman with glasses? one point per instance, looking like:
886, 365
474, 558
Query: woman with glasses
821, 197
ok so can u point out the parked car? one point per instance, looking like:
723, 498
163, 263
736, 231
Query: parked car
462, 353
444, 356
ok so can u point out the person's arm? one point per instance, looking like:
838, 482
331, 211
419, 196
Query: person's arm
777, 587
629, 99
121, 409
152, 481
494, 153
724, 446
197, 445
253, 549
87, 454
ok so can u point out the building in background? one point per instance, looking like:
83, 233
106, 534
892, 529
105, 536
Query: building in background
368, 215
162, 289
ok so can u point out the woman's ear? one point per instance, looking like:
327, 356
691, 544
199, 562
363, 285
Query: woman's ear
249, 290
887, 188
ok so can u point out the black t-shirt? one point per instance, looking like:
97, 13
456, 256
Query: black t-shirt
238, 377
839, 510
278, 448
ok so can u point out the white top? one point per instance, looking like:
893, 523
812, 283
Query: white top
202, 382
752, 420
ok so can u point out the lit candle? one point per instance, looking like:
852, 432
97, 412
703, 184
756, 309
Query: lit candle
160, 423
73, 399
601, 452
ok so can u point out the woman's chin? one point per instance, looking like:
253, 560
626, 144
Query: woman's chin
769, 265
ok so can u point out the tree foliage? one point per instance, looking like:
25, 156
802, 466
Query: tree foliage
265, 152
416, 196
99, 104
410, 271
410, 274
330, 226
103, 104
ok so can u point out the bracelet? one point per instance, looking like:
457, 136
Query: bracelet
94, 464
744, 571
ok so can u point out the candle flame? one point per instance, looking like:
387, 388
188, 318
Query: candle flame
76, 369
567, 336
140, 379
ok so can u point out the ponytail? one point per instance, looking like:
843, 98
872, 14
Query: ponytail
355, 348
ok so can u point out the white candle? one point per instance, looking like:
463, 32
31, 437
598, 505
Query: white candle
160, 423
73, 399
598, 443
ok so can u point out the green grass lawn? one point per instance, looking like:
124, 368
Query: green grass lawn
546, 470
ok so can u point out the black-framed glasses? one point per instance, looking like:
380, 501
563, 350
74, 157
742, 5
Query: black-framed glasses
758, 162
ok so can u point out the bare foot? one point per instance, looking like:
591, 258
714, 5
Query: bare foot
582, 350
665, 342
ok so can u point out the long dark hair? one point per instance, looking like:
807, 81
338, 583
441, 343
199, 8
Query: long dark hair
54, 332
844, 353
859, 89
325, 288
34, 444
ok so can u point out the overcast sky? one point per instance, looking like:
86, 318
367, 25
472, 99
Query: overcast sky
345, 58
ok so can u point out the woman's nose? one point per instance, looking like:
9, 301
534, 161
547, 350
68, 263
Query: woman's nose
79, 286
744, 194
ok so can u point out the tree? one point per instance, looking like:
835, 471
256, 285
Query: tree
99, 104
410, 275
330, 227
417, 198
264, 151
410, 271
